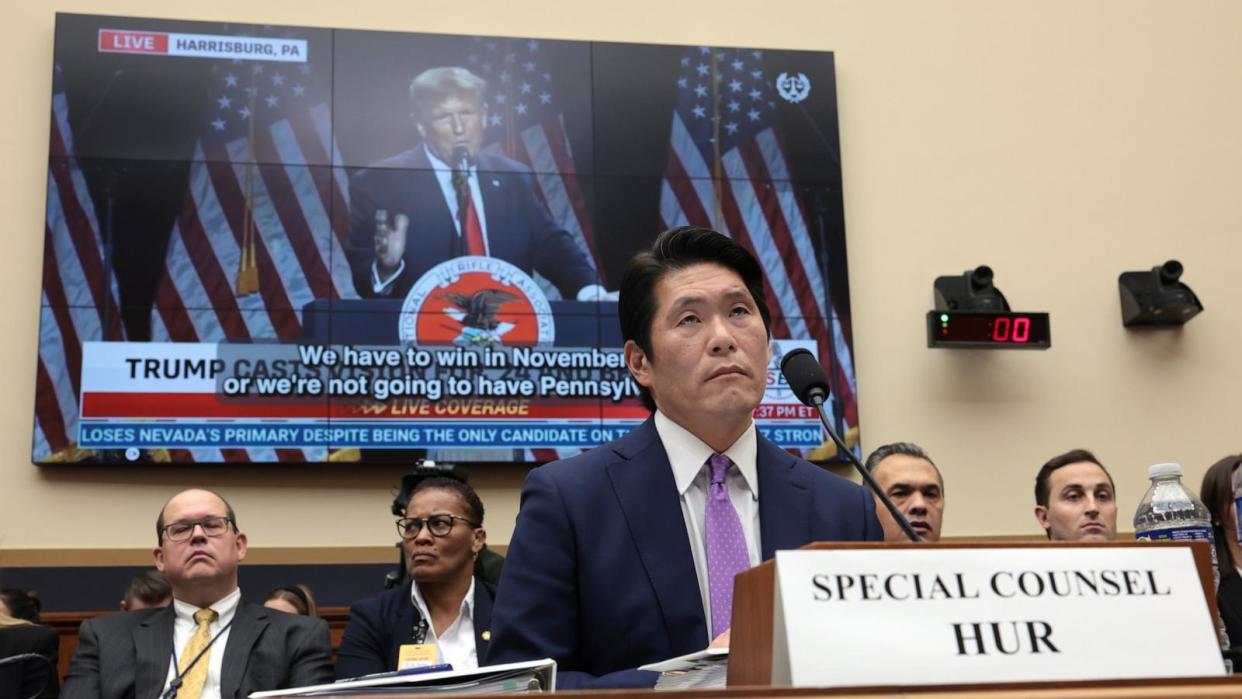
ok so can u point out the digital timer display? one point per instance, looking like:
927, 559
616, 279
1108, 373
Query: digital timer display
988, 330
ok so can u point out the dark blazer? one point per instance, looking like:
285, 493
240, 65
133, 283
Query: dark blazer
379, 626
22, 680
1229, 600
599, 574
127, 655
519, 228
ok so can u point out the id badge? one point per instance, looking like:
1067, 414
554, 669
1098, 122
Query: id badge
417, 655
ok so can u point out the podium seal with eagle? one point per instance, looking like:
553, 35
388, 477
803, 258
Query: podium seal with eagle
476, 302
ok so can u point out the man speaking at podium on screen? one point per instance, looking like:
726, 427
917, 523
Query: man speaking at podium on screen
626, 554
445, 198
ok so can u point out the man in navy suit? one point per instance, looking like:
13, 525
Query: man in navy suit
625, 555
444, 199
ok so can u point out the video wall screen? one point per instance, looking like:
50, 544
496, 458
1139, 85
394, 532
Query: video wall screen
274, 244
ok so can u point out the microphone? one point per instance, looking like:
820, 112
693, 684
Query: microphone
175, 685
810, 384
461, 158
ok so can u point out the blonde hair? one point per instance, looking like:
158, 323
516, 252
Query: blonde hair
299, 596
434, 84
6, 620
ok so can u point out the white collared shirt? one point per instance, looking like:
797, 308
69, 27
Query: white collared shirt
444, 175
456, 646
688, 456
184, 627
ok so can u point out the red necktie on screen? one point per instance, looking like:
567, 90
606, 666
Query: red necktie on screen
467, 215
726, 545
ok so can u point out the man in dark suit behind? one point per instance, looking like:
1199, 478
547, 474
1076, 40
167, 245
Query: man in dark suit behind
626, 554
241, 647
444, 199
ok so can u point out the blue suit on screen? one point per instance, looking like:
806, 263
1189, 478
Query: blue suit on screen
519, 228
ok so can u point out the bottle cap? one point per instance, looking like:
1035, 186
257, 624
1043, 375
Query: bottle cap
1164, 470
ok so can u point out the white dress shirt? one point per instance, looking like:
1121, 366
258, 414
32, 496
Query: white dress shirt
688, 456
444, 175
184, 627
456, 646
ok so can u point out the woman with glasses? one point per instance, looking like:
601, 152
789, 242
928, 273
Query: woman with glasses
443, 614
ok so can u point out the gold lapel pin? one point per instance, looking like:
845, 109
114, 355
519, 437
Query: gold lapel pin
487, 635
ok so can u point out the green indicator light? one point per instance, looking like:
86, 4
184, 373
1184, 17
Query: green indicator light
944, 317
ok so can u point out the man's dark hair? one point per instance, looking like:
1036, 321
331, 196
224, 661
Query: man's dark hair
904, 448
1073, 456
673, 250
150, 587
159, 521
22, 605
473, 504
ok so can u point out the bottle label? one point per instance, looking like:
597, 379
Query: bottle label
1191, 533
1237, 501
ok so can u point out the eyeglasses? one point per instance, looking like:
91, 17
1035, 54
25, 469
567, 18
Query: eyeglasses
438, 525
212, 526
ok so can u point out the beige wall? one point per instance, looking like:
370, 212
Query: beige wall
1059, 142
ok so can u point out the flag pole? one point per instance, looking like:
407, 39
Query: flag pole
248, 269
717, 164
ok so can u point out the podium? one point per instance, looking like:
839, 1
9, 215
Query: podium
756, 626
374, 322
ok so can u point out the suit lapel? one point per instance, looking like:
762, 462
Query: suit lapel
153, 641
433, 232
482, 618
493, 187
407, 617
784, 501
248, 623
643, 482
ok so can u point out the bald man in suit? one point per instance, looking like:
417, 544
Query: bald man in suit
208, 642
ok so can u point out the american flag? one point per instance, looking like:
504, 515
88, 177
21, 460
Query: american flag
726, 170
262, 228
525, 124
79, 293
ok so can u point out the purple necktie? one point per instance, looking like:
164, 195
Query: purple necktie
726, 546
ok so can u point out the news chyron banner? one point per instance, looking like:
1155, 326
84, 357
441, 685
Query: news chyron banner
472, 392
295, 244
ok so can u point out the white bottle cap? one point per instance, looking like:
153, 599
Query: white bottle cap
1164, 470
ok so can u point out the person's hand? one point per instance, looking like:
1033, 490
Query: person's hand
389, 242
721, 641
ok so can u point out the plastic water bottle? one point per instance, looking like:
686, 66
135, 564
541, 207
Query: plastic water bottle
1169, 512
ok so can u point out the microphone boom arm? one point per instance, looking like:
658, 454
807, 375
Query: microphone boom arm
818, 402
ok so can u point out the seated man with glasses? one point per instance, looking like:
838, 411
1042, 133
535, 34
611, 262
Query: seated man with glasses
443, 613
208, 643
